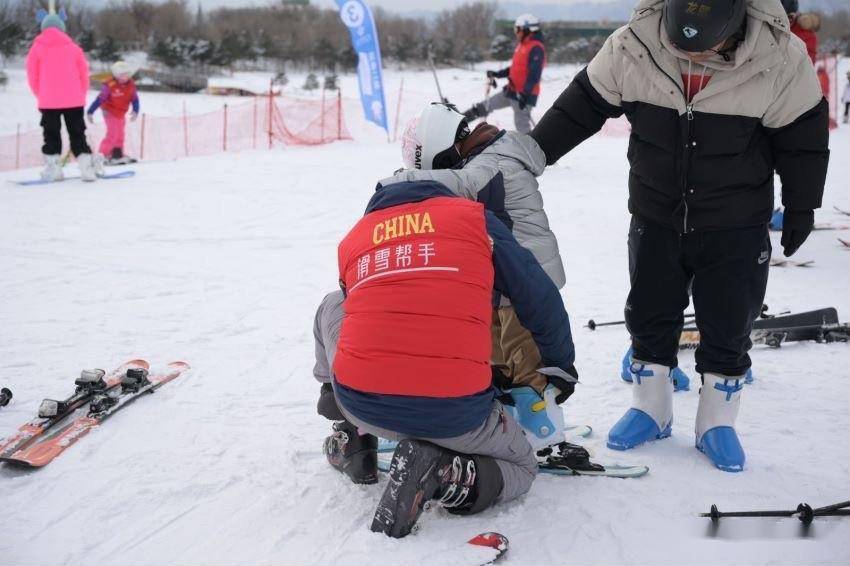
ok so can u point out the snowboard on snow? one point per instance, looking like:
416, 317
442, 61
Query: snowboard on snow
135, 383
819, 325
53, 414
106, 176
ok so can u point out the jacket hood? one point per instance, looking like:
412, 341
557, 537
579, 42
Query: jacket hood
53, 37
522, 148
770, 13
406, 192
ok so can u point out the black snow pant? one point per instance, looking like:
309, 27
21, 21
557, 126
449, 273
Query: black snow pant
726, 272
51, 123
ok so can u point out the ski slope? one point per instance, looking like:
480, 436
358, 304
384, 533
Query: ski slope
220, 261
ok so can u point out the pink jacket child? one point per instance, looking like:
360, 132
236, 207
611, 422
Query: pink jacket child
58, 75
57, 71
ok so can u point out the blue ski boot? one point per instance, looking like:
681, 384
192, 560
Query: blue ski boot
719, 401
540, 417
651, 414
626, 366
681, 381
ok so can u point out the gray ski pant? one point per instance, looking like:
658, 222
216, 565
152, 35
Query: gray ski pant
499, 437
522, 118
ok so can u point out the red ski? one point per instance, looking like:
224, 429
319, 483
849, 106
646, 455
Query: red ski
133, 385
498, 542
54, 413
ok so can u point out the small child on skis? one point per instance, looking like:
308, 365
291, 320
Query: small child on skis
116, 97
58, 75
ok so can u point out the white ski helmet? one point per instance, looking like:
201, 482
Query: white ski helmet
527, 22
429, 140
121, 68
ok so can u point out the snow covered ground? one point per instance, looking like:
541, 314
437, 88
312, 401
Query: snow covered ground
220, 261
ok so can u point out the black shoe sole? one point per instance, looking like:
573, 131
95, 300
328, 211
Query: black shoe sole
413, 481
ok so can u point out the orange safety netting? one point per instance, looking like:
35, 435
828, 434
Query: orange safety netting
255, 124
826, 67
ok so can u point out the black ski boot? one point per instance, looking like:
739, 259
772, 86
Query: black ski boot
355, 455
421, 472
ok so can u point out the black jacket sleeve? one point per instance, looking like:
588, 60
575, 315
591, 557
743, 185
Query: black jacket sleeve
535, 298
801, 156
503, 73
578, 113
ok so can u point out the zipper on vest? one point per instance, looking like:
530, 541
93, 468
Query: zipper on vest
690, 109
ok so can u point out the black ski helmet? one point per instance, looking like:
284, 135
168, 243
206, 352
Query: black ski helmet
699, 25
791, 6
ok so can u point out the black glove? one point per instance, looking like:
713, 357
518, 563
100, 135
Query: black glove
796, 227
492, 74
523, 100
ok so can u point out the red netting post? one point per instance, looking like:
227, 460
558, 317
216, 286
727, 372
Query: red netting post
271, 91
224, 133
254, 135
398, 109
142, 141
18, 147
185, 131
339, 114
322, 138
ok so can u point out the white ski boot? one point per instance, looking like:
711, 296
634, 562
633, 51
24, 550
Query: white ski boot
98, 162
87, 171
651, 414
719, 402
52, 168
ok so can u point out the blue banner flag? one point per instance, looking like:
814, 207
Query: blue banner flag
357, 17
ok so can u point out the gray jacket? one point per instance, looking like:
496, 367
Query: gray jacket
503, 177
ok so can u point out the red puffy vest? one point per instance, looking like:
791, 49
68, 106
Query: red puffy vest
419, 280
809, 37
519, 65
120, 96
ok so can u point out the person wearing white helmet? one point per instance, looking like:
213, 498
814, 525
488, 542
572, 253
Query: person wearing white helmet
117, 96
523, 76
498, 169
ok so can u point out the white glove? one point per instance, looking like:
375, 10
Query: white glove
90, 118
133, 116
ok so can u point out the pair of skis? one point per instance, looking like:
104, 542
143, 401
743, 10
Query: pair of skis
820, 325
98, 395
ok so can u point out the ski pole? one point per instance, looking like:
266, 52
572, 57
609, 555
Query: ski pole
5, 396
434, 72
592, 324
804, 512
833, 507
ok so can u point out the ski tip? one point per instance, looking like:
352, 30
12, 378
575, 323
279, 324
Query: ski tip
138, 364
179, 365
496, 541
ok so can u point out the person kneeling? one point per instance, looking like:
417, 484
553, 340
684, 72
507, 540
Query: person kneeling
408, 339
